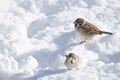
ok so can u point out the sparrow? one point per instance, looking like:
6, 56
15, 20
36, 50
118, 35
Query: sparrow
87, 29
72, 61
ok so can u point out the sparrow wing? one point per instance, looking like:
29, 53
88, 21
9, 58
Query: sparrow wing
90, 28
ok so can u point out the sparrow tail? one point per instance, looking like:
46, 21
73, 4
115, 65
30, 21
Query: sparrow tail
104, 32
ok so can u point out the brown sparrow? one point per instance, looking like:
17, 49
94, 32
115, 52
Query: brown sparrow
87, 30
72, 61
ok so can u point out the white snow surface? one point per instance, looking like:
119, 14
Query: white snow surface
36, 34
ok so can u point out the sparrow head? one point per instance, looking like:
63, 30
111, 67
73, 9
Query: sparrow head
72, 57
79, 22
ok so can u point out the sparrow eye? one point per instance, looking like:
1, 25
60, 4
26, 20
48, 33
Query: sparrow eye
77, 23
80, 23
74, 58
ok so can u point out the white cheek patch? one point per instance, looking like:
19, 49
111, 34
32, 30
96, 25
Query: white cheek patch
78, 25
72, 60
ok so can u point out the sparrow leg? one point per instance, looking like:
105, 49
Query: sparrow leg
77, 69
83, 41
69, 68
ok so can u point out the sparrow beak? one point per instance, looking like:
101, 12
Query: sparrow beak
66, 55
75, 22
71, 62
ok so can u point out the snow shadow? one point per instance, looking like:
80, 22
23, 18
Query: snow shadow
103, 47
41, 24
65, 41
108, 58
47, 72
4, 76
37, 25
114, 57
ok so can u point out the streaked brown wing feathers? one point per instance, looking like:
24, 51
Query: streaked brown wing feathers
91, 28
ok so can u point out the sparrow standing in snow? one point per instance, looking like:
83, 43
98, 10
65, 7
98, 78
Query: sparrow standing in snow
72, 61
87, 30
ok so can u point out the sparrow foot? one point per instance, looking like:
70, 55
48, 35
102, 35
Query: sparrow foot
82, 42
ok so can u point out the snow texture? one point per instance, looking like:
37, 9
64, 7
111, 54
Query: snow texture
36, 34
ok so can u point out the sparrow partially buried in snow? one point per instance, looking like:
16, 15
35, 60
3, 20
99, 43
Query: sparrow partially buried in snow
72, 61
87, 30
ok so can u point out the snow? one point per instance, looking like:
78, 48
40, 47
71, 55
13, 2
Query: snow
36, 34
